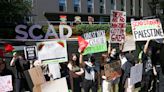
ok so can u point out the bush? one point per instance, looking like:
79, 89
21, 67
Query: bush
84, 28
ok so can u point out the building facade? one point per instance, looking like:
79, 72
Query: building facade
99, 9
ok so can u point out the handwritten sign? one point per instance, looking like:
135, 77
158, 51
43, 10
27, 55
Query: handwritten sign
129, 44
6, 83
147, 29
118, 26
136, 74
113, 70
96, 42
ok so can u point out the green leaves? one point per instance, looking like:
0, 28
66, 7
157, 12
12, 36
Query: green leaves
13, 11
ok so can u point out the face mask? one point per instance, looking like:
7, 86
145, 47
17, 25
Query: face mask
113, 53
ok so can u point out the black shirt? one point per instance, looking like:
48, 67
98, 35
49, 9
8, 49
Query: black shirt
147, 62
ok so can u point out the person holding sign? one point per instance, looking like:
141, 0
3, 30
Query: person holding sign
109, 82
91, 69
148, 68
18, 61
75, 73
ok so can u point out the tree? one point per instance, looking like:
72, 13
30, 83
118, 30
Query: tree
13, 11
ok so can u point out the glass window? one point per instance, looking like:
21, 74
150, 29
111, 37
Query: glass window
122, 5
90, 6
62, 5
101, 1
131, 7
140, 7
76, 4
112, 1
101, 9
112, 4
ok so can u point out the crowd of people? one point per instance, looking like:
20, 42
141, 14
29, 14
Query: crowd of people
85, 73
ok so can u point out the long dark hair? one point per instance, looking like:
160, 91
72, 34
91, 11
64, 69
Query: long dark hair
74, 63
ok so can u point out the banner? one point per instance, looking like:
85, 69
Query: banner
147, 29
6, 83
129, 44
118, 26
113, 70
30, 52
52, 51
96, 42
136, 74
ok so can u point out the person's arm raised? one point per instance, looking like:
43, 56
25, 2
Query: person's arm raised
109, 48
82, 64
146, 46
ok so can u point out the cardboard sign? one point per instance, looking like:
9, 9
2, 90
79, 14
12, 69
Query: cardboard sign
6, 83
118, 26
52, 51
147, 29
96, 42
30, 53
129, 44
136, 74
37, 76
113, 70
59, 85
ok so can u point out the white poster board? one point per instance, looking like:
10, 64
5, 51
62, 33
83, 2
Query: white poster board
54, 69
52, 51
129, 44
136, 74
96, 42
59, 85
147, 29
118, 26
6, 83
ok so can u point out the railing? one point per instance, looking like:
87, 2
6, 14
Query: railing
72, 23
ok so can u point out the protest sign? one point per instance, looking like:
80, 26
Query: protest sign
30, 52
136, 74
96, 42
147, 29
118, 26
113, 70
6, 83
36, 75
54, 70
129, 44
52, 51
58, 85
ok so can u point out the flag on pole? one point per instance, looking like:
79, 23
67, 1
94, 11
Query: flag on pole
82, 44
8, 47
